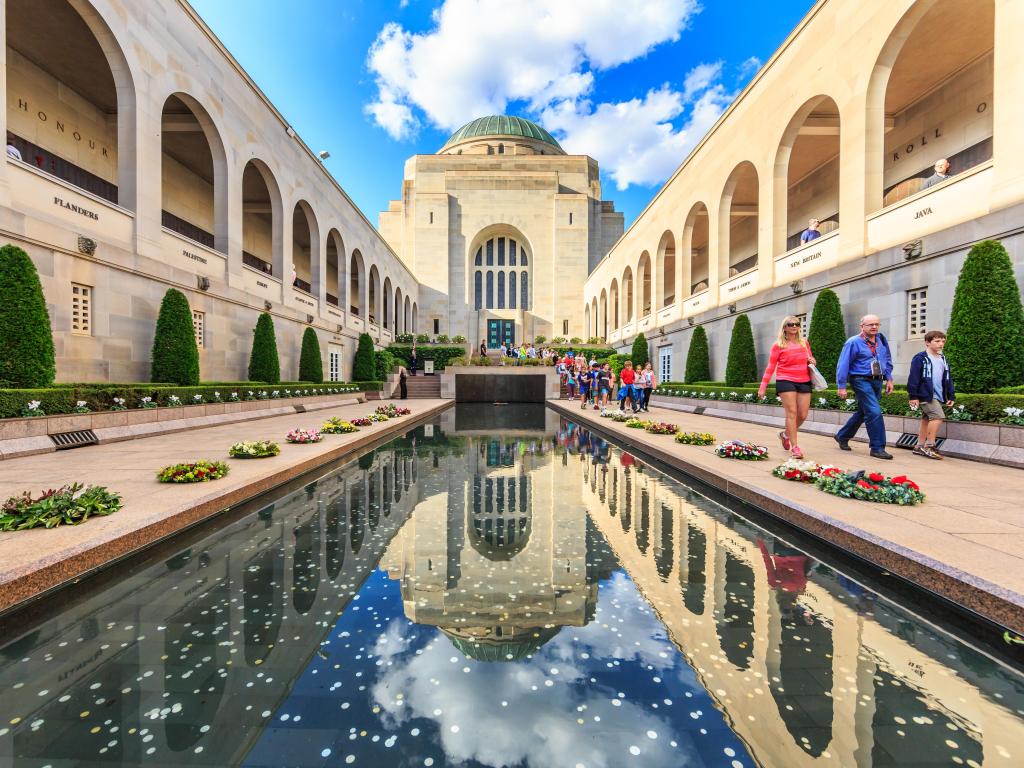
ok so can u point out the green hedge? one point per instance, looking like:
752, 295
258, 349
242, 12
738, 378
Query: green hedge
264, 364
99, 397
175, 355
698, 357
441, 355
26, 343
742, 362
384, 363
981, 407
593, 353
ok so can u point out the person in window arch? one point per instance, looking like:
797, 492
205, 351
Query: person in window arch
12, 150
942, 168
812, 232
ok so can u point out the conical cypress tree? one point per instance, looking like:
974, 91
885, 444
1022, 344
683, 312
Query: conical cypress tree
698, 358
26, 342
827, 333
640, 354
741, 366
175, 353
985, 347
263, 362
365, 366
311, 365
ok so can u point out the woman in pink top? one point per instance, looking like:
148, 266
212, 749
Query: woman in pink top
789, 361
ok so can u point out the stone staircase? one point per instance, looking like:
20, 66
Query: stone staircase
422, 387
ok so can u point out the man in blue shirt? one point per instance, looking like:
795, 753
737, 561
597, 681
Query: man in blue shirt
865, 363
811, 233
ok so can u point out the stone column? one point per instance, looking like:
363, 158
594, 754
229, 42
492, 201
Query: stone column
765, 229
1008, 117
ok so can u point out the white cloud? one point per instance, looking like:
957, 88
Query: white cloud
483, 54
749, 67
636, 141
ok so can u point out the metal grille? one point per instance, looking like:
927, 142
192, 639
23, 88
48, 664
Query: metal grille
76, 439
81, 309
909, 440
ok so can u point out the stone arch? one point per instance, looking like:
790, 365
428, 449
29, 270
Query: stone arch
373, 295
386, 310
644, 292
806, 173
738, 216
613, 302
627, 295
305, 250
497, 252
666, 268
357, 284
399, 316
193, 157
262, 219
603, 317
695, 247
336, 271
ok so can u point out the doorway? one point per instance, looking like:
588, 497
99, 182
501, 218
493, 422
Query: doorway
500, 332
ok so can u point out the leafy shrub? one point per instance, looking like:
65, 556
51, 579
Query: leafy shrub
558, 340
311, 365
26, 343
539, 339
422, 338
67, 505
575, 340
641, 355
404, 338
193, 472
442, 356
442, 338
254, 449
827, 332
175, 356
264, 364
986, 328
698, 357
599, 353
595, 340
617, 362
456, 339
364, 367
742, 363
384, 363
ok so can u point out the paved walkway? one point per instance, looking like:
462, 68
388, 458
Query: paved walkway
39, 559
966, 541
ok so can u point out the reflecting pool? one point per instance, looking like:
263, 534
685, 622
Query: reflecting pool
498, 588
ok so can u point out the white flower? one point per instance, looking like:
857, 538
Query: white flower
80, 404
851, 400
147, 399
33, 405
216, 394
1013, 412
822, 401
250, 393
173, 399
234, 394
119, 400
197, 398
778, 399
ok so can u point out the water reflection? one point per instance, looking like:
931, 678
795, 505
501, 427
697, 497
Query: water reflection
524, 594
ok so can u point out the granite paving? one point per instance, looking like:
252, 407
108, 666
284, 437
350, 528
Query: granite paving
965, 542
35, 561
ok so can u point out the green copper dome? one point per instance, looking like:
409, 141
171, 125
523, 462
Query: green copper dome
501, 125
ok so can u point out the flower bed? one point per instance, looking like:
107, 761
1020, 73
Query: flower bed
337, 426
614, 415
254, 449
800, 471
377, 416
303, 436
737, 449
67, 505
361, 421
661, 428
390, 410
193, 472
695, 438
871, 486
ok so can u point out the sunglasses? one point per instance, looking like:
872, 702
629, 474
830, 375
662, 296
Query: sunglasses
792, 325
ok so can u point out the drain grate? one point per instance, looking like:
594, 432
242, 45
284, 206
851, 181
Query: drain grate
76, 439
909, 440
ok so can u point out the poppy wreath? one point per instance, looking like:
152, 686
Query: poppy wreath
620, 416
636, 423
801, 471
361, 421
254, 449
870, 486
392, 410
661, 428
737, 449
378, 416
193, 472
695, 438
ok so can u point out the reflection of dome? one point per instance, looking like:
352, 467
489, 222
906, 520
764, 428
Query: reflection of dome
501, 125
520, 644
501, 517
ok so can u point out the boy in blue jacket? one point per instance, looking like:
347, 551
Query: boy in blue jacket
929, 385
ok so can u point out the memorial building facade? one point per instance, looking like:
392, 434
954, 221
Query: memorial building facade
844, 124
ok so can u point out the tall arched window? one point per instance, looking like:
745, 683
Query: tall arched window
493, 256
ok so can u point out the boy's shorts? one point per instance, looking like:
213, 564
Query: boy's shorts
932, 410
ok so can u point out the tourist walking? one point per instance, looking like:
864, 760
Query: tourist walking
412, 361
570, 383
626, 390
647, 382
604, 385
929, 385
789, 362
403, 387
866, 363
483, 347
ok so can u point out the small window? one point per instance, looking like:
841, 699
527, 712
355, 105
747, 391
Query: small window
501, 149
431, 217
803, 324
565, 327
917, 313
199, 326
81, 309
437, 326
570, 219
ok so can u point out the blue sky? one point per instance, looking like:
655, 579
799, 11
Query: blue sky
633, 83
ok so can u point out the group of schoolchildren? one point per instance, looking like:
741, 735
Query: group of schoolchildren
596, 382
